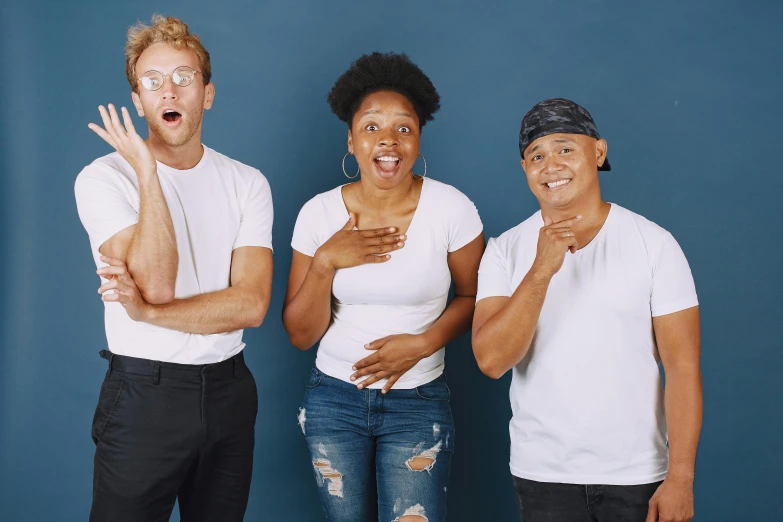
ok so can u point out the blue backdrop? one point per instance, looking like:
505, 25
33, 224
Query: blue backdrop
684, 92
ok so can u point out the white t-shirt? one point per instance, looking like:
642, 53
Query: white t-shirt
406, 294
587, 399
217, 206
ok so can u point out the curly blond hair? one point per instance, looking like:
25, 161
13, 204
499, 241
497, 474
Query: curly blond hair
165, 29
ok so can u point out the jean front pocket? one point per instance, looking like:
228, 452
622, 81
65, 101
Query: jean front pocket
315, 378
436, 390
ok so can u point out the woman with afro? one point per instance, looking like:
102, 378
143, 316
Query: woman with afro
372, 264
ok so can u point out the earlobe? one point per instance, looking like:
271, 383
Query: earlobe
601, 149
209, 96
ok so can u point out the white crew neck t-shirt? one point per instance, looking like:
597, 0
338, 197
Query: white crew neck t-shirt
587, 399
404, 295
217, 206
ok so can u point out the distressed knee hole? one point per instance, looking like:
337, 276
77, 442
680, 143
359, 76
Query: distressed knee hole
413, 514
329, 476
425, 460
420, 463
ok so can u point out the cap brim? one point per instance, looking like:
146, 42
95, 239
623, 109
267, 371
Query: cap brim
605, 167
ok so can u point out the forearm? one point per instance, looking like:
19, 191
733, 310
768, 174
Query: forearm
152, 256
454, 321
683, 405
504, 340
226, 310
306, 317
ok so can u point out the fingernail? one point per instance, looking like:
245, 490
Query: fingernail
403, 237
400, 244
392, 229
360, 386
578, 217
354, 367
353, 378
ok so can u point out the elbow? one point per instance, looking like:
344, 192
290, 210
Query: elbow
490, 368
298, 338
257, 313
301, 342
487, 362
158, 296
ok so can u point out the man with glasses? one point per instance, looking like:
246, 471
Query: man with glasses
182, 237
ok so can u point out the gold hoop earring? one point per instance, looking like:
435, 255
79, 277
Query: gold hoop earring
346, 174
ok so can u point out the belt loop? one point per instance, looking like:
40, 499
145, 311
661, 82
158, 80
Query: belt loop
111, 361
156, 373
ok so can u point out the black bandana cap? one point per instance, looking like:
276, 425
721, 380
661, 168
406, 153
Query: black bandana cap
554, 116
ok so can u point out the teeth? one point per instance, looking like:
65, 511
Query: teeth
387, 158
557, 183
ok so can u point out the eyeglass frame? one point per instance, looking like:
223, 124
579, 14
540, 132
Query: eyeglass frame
170, 75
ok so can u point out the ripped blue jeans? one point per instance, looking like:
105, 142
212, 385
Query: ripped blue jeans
378, 457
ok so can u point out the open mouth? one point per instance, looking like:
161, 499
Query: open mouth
171, 117
559, 183
387, 165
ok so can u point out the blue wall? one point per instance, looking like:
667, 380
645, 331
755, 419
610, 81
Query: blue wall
685, 92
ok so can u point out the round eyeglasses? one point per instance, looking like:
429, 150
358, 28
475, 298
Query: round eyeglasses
181, 77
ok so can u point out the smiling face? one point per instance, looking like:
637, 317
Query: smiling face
384, 137
562, 169
174, 114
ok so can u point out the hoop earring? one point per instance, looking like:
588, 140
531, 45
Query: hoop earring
346, 174
425, 166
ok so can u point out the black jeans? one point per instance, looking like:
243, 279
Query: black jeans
553, 502
165, 431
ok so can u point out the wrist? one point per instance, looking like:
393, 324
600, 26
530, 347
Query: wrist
681, 473
321, 264
539, 274
429, 343
147, 173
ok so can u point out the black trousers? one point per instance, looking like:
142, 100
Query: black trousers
554, 502
167, 431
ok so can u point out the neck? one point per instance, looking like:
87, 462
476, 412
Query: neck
180, 157
371, 196
593, 211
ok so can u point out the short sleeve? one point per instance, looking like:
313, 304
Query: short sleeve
465, 224
306, 236
673, 288
255, 227
493, 277
103, 204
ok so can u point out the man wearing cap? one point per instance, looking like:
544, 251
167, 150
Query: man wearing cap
582, 301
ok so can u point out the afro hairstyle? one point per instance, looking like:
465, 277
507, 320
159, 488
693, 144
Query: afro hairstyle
383, 72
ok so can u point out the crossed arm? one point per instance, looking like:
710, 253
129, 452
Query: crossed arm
242, 305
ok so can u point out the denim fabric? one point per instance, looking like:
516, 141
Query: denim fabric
375, 456
554, 502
